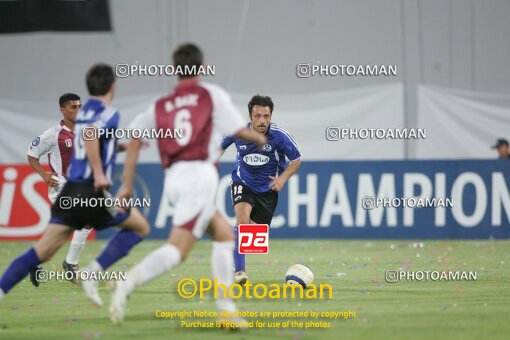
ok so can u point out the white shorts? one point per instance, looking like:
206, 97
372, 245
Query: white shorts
54, 192
191, 188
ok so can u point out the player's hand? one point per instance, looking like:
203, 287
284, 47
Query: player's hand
262, 141
124, 192
48, 179
277, 183
121, 147
100, 182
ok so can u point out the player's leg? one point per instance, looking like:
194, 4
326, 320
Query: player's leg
221, 259
134, 228
263, 207
54, 236
191, 190
242, 211
155, 264
161, 260
77, 244
243, 202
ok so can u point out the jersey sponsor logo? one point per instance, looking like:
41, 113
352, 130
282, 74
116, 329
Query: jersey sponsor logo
253, 238
255, 159
69, 143
36, 141
242, 147
267, 148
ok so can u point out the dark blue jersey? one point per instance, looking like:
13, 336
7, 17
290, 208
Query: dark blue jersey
254, 165
106, 119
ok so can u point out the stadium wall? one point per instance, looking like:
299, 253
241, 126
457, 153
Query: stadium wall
459, 124
453, 43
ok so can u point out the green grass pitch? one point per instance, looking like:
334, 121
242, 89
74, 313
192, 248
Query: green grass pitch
355, 269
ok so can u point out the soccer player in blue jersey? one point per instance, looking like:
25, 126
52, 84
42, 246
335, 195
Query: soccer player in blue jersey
89, 178
260, 173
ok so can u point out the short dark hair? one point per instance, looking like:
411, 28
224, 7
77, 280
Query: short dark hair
100, 78
67, 97
188, 55
259, 100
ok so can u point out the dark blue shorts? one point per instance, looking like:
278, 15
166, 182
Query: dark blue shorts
263, 205
77, 206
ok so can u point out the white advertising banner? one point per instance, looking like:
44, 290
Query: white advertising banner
461, 124
307, 117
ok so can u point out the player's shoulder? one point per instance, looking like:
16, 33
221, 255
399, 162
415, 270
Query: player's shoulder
108, 114
48, 136
278, 131
213, 89
110, 110
52, 131
100, 108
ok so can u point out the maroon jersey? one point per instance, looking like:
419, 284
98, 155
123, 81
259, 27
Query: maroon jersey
191, 122
57, 143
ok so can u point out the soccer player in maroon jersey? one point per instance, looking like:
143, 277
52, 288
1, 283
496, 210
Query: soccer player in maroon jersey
57, 144
203, 112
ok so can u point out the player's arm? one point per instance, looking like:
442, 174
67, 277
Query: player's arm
40, 146
46, 176
290, 149
121, 147
225, 143
94, 158
230, 121
278, 182
132, 152
145, 120
251, 136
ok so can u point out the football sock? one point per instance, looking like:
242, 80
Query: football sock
77, 245
221, 261
94, 267
118, 247
18, 269
239, 259
153, 265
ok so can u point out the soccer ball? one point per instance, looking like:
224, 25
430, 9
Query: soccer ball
299, 274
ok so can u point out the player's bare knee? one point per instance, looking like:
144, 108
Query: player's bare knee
243, 220
144, 229
220, 234
138, 224
182, 250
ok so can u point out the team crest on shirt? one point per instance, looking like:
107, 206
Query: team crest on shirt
69, 143
36, 141
267, 148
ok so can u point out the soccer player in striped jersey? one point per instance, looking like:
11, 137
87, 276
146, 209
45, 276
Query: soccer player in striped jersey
57, 144
260, 172
89, 178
